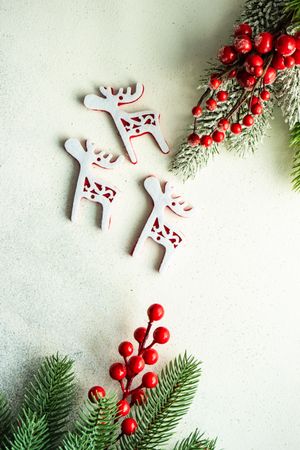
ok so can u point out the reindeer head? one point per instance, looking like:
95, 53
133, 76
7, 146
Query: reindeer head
110, 100
167, 198
90, 156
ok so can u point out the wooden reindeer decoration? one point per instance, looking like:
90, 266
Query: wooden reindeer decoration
129, 125
89, 185
156, 226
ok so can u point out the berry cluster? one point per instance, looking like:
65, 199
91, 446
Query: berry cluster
253, 64
133, 365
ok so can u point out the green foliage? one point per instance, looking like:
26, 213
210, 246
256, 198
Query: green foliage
196, 441
287, 90
96, 428
5, 417
50, 394
165, 405
295, 142
293, 6
31, 433
42, 421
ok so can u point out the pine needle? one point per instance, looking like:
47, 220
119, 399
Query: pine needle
295, 142
196, 441
51, 395
165, 405
5, 418
96, 428
30, 434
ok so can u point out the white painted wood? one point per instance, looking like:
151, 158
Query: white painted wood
156, 227
129, 125
89, 184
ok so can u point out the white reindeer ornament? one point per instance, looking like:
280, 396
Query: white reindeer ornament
156, 227
129, 125
89, 184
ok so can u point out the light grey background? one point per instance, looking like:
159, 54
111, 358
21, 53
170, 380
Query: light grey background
231, 296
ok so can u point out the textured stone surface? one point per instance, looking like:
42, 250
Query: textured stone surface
232, 297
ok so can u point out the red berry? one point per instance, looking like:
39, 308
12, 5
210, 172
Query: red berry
194, 139
243, 44
215, 82
95, 393
265, 95
248, 120
139, 334
270, 75
285, 45
136, 364
117, 371
289, 62
278, 62
223, 124
218, 136
155, 312
123, 408
296, 57
232, 73
258, 71
150, 380
222, 96
211, 104
138, 396
197, 111
227, 55
150, 356
243, 29
161, 335
256, 109
246, 80
254, 100
206, 140
129, 426
236, 128
254, 60
264, 42
125, 348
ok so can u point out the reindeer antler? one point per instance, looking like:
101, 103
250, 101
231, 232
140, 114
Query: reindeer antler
106, 91
104, 160
176, 203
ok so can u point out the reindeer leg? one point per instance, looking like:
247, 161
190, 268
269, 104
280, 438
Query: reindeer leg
129, 149
106, 216
158, 136
76, 204
166, 259
141, 241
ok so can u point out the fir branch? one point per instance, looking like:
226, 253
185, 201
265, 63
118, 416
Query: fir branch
30, 434
249, 138
165, 405
287, 91
293, 6
295, 142
263, 15
196, 441
5, 417
51, 395
96, 428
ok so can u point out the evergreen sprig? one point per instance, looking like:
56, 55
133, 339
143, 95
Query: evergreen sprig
196, 441
31, 433
5, 417
261, 15
50, 395
165, 405
295, 142
96, 428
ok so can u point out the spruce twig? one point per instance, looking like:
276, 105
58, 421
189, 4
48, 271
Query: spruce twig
31, 433
196, 441
165, 405
295, 142
50, 395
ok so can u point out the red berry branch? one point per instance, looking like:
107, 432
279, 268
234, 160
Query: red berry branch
253, 64
133, 365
